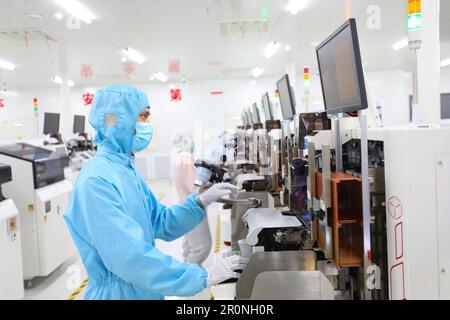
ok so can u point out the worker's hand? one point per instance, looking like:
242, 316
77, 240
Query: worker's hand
216, 192
226, 269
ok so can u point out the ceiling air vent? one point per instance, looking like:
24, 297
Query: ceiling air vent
236, 73
30, 35
243, 28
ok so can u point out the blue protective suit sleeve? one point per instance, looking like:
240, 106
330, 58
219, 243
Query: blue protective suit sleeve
120, 243
171, 223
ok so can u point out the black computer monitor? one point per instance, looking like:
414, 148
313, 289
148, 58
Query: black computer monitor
341, 71
249, 117
79, 123
256, 113
267, 107
51, 123
286, 98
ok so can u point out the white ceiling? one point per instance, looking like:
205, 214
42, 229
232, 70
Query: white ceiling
189, 31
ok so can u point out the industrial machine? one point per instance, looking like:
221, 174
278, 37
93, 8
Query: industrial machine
80, 148
41, 193
11, 276
369, 203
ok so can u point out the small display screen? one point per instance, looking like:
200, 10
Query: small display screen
341, 71
267, 107
79, 124
256, 113
51, 123
286, 98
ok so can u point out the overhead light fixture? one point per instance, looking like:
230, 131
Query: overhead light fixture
59, 80
271, 49
134, 55
160, 76
288, 48
33, 16
257, 72
400, 44
123, 59
76, 9
445, 63
58, 16
295, 6
7, 65
9, 93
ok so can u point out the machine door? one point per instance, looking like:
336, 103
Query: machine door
55, 242
443, 185
11, 272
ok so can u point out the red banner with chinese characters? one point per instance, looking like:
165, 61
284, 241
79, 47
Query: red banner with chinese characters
88, 98
175, 94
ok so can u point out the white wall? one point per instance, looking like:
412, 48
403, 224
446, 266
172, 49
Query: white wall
199, 109
390, 90
445, 80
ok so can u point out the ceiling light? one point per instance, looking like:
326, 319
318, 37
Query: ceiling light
124, 59
9, 93
160, 76
33, 16
257, 72
288, 48
445, 63
295, 6
271, 49
7, 65
400, 44
134, 55
57, 79
76, 9
58, 16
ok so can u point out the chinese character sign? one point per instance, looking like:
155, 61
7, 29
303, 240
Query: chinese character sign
175, 94
86, 71
2, 103
88, 98
128, 67
174, 66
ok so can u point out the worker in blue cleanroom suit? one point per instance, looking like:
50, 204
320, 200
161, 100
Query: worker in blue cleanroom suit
114, 218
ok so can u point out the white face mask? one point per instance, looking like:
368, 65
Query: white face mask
143, 137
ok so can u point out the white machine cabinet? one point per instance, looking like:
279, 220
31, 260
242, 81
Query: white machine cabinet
41, 194
418, 212
11, 276
417, 181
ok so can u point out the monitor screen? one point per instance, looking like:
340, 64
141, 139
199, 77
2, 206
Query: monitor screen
267, 107
249, 116
341, 71
256, 113
286, 98
51, 123
445, 106
79, 123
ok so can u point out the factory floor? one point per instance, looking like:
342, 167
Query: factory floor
67, 281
